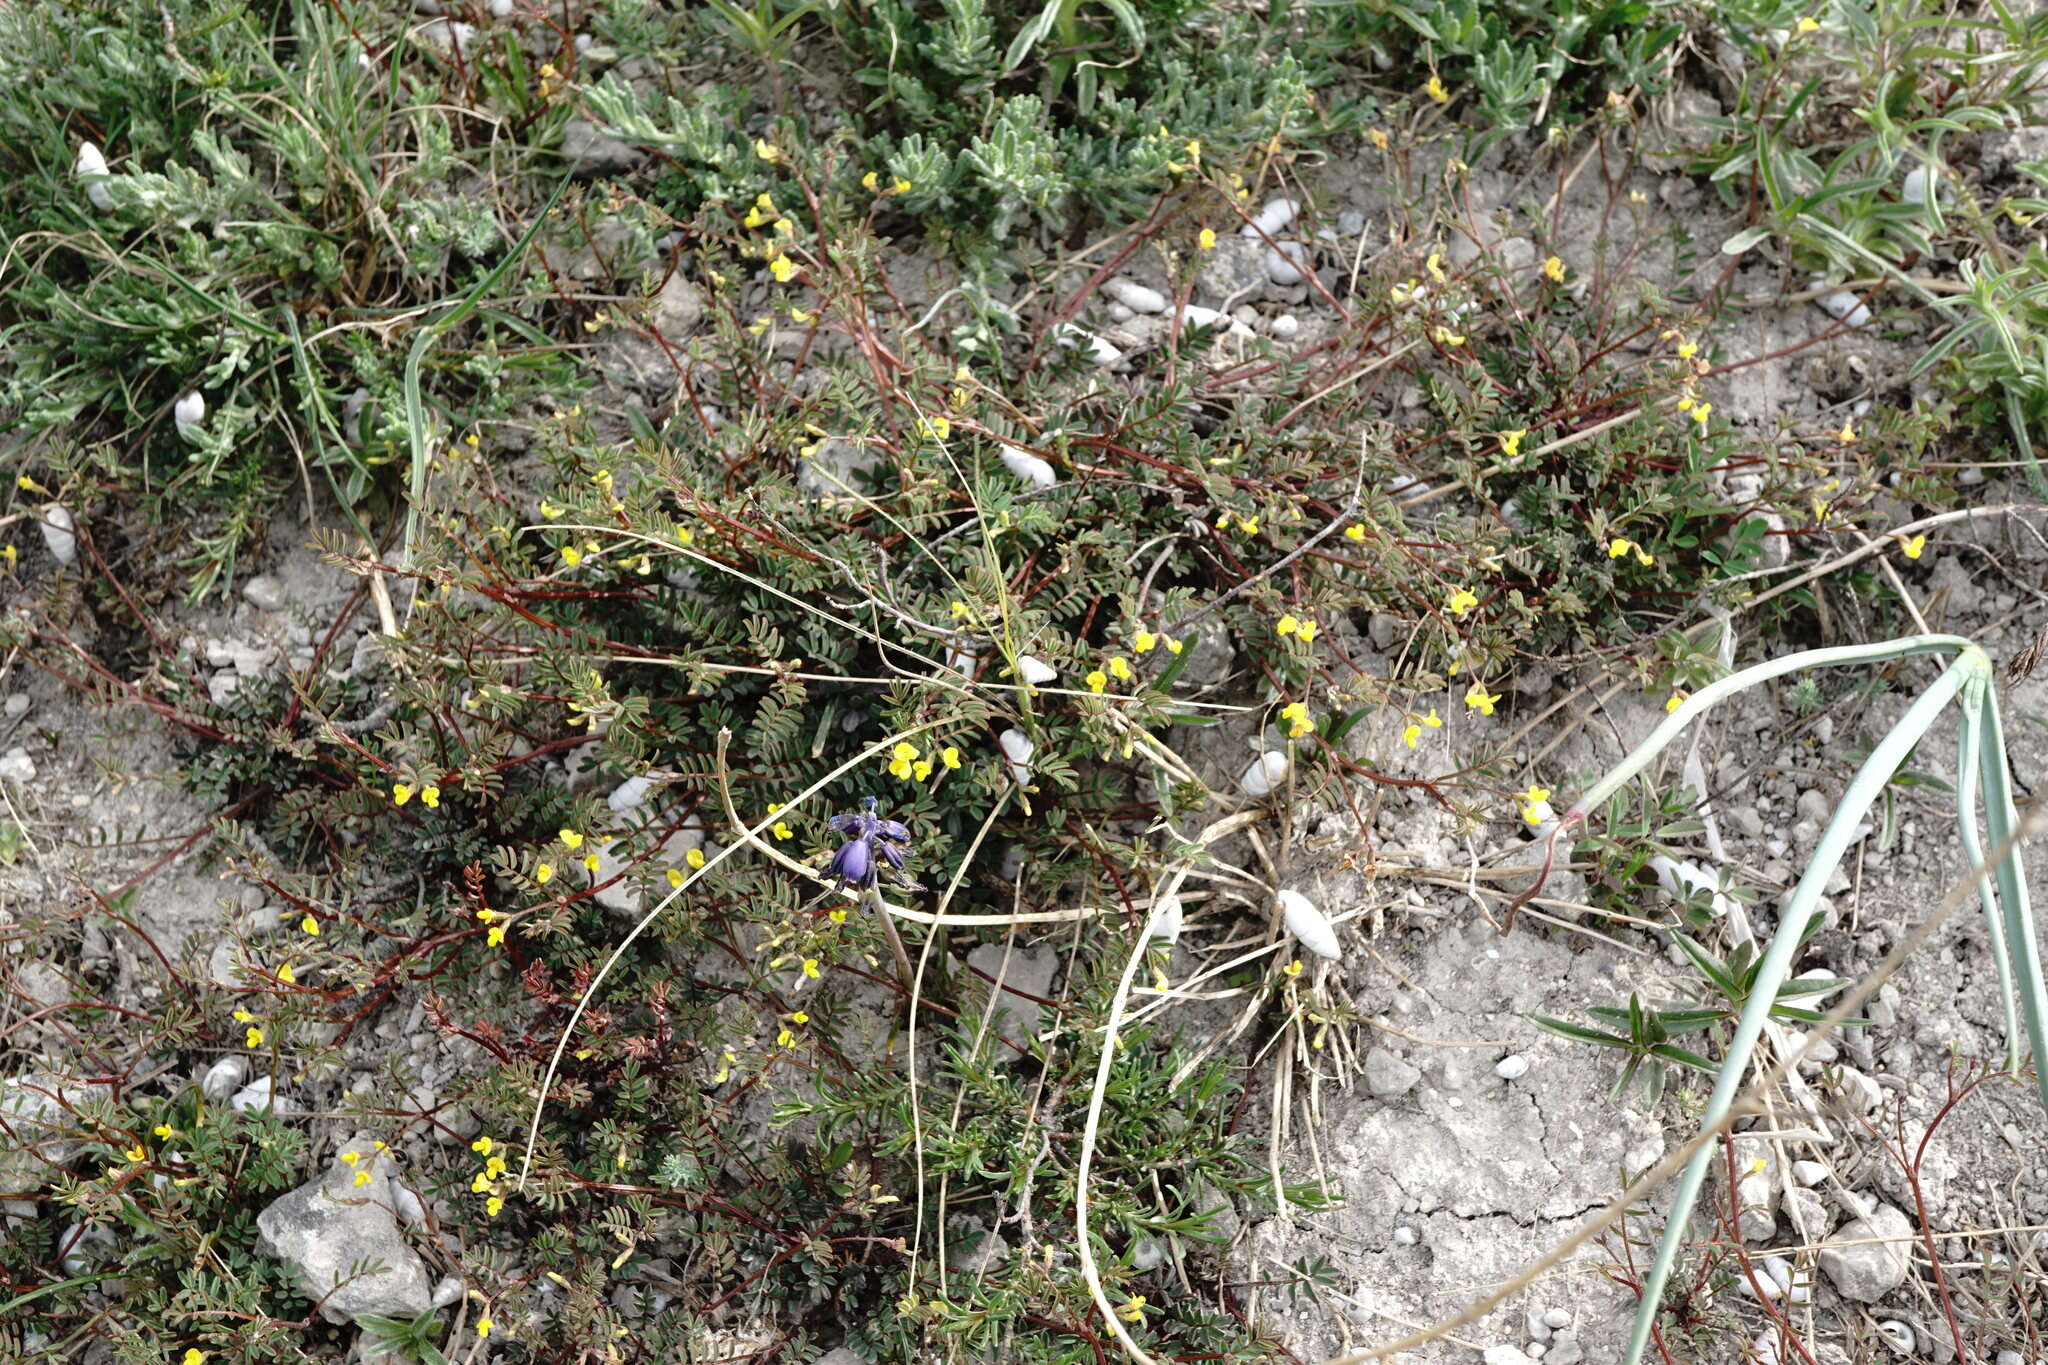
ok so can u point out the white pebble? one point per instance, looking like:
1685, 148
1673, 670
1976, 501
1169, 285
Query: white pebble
501, 9
450, 33
1076, 338
1035, 671
1285, 327
1265, 775
405, 1202
188, 414
1309, 925
1406, 1236
1018, 748
60, 533
1512, 1067
1809, 1173
1135, 296
1027, 467
1557, 1319
1277, 214
260, 1093
1119, 313
91, 163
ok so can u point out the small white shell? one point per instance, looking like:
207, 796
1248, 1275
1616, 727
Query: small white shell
1075, 338
188, 413
1286, 267
1018, 748
60, 533
1844, 306
630, 794
1194, 315
1166, 919
1684, 879
1135, 296
1026, 466
91, 163
405, 1203
1307, 923
1898, 1335
1035, 671
1277, 214
1267, 773
222, 1078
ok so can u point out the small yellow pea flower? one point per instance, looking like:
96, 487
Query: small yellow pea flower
1298, 722
1120, 668
1435, 89
1462, 601
1674, 701
675, 880
493, 1206
1354, 531
570, 838
400, 793
783, 269
1553, 270
164, 1130
254, 1037
1206, 239
1807, 24
1913, 547
495, 936
544, 873
430, 797
1446, 337
1308, 632
1097, 680
136, 1153
1511, 442
1378, 138
1847, 433
950, 756
1411, 735
311, 926
811, 968
1480, 700
1134, 1311
287, 975
484, 1325
767, 150
590, 862
571, 556
695, 857
1144, 641
482, 1146
1287, 625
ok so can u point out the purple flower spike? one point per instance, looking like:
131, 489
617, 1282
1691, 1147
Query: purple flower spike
852, 863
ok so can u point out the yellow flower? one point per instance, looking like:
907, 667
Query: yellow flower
904, 751
194, 1356
1435, 266
1097, 680
310, 925
1511, 442
785, 1038
1699, 414
1206, 239
483, 1325
1847, 433
936, 427
1433, 720
1144, 641
1688, 349
1445, 336
480, 1184
164, 1130
1553, 270
695, 857
1674, 701
9, 553
362, 1178
1462, 601
494, 1168
900, 767
1296, 716
1480, 700
836, 916
767, 150
675, 878
493, 1206
1308, 632
1808, 24
1618, 547
1914, 546
1411, 735
1354, 532
1287, 625
901, 186
482, 1146
254, 1037
544, 873
872, 182
950, 756
811, 968
494, 936
1250, 528
1174, 646
785, 228
400, 793
136, 1153
783, 269
570, 838
243, 1017
1435, 89
571, 556
1378, 138
590, 862
1134, 1311
430, 797
1292, 969
1530, 799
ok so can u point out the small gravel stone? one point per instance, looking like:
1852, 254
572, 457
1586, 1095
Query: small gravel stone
1557, 1319
1506, 1355
17, 766
1406, 1236
1387, 1076
1512, 1068
264, 593
1867, 1273
1285, 327
1536, 1327
1565, 1350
